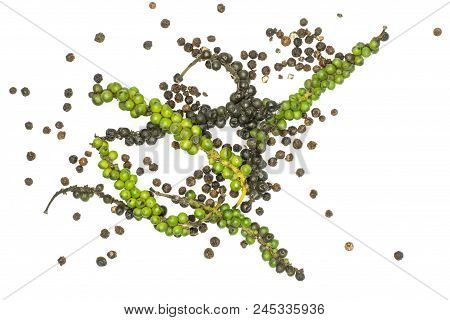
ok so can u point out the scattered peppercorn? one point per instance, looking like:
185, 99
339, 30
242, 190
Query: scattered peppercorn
147, 45
68, 93
221, 8
437, 32
46, 130
99, 37
65, 181
61, 135
214, 241
83, 161
300, 172
28, 125
76, 216
31, 155
119, 230
101, 261
313, 193
59, 125
70, 57
25, 91
112, 254
398, 255
62, 260
311, 145
152, 5
67, 107
28, 181
104, 233
165, 23
349, 246
208, 253
328, 213
12, 90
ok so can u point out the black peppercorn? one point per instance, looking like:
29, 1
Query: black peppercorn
101, 261
104, 233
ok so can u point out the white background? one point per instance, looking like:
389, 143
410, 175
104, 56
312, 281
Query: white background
382, 165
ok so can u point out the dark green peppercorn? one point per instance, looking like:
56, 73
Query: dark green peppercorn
101, 261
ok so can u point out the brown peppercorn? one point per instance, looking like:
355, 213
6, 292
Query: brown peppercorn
104, 233
289, 157
322, 118
313, 193
300, 172
83, 161
68, 93
280, 154
208, 253
31, 155
76, 216
79, 169
166, 187
315, 112
181, 42
190, 181
437, 32
88, 153
147, 45
61, 135
147, 161
297, 144
62, 260
99, 37
67, 107
276, 187
349, 246
301, 128
140, 171
286, 41
28, 125
214, 241
259, 211
153, 167
211, 38
165, 23
196, 42
65, 181
25, 91
334, 112
28, 181
125, 157
119, 230
303, 22
311, 145
70, 57
328, 213
111, 254
220, 8
156, 182
59, 125
127, 165
330, 50
152, 5
13, 90
398, 255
